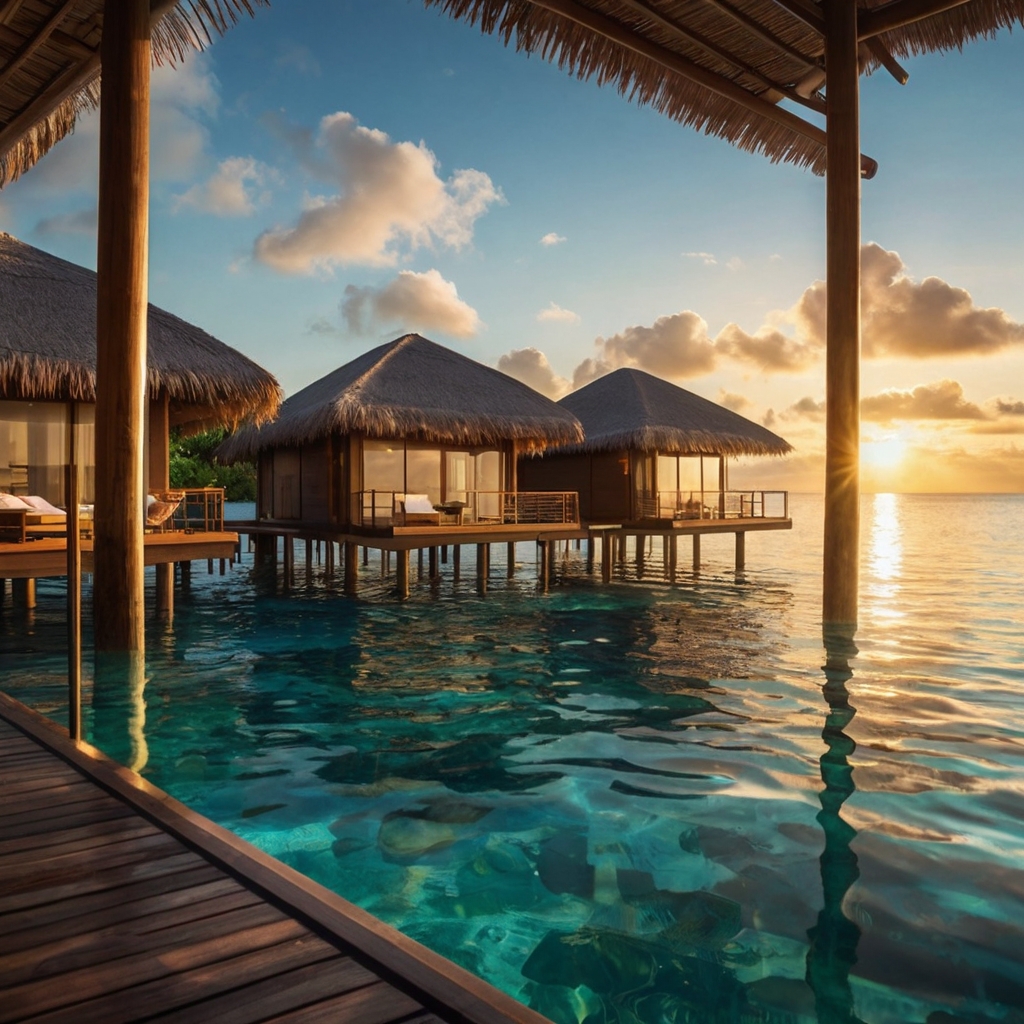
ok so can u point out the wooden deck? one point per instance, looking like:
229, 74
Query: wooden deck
46, 556
118, 905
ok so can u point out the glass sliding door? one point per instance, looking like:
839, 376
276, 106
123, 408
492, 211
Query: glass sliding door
33, 448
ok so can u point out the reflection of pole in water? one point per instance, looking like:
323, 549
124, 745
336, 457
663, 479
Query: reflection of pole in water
119, 707
833, 939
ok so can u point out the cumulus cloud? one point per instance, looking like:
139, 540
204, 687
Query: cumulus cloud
233, 190
707, 258
553, 313
673, 346
551, 238
419, 302
1008, 407
769, 349
78, 222
806, 408
904, 317
732, 401
389, 199
941, 400
531, 366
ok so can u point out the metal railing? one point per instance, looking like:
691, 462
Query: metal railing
713, 505
494, 508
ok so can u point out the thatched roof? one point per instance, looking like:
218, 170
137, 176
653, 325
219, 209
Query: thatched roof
412, 388
630, 409
723, 66
48, 347
50, 64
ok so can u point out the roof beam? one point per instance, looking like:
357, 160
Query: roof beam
805, 11
757, 29
36, 41
900, 13
644, 10
614, 31
8, 10
881, 53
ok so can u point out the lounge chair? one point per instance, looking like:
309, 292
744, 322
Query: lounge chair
417, 508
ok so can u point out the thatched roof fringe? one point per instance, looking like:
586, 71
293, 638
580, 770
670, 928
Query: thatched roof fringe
668, 440
412, 388
176, 32
585, 54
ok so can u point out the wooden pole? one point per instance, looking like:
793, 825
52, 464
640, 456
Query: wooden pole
403, 573
74, 568
673, 556
351, 568
483, 557
288, 559
842, 360
432, 562
606, 557
545, 565
165, 591
696, 552
741, 550
121, 307
456, 561
510, 559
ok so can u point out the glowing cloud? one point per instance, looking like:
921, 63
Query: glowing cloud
419, 302
233, 190
553, 313
942, 400
551, 238
390, 199
531, 366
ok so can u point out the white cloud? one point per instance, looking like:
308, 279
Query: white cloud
941, 400
235, 189
707, 258
553, 313
672, 347
551, 238
732, 401
769, 349
418, 302
531, 366
390, 199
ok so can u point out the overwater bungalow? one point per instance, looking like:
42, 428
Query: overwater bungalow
47, 404
656, 458
409, 439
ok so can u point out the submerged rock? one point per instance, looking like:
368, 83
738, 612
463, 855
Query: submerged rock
606, 962
562, 865
693, 920
409, 834
346, 845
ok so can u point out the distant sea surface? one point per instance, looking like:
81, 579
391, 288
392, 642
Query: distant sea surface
636, 803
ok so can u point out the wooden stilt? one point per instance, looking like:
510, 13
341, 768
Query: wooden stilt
607, 542
444, 554
403, 573
165, 591
483, 559
456, 561
385, 563
673, 557
74, 597
696, 552
741, 550
209, 567
185, 576
366, 556
309, 560
842, 360
432, 560
24, 593
510, 559
351, 568
288, 561
545, 565
419, 561
121, 309
641, 545
590, 553
621, 544
223, 566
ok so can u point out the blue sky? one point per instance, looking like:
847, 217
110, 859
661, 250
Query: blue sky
650, 221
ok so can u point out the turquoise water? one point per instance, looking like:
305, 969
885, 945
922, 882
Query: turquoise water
636, 803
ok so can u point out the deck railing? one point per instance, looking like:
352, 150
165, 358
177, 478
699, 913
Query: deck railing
493, 508
200, 511
713, 505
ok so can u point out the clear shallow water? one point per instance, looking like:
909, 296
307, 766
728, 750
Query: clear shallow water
631, 803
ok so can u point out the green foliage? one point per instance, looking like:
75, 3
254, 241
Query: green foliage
193, 465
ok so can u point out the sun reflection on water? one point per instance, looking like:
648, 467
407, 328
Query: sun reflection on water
885, 558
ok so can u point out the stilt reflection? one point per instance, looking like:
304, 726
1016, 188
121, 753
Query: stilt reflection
119, 708
833, 939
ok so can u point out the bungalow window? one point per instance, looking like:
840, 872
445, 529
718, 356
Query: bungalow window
423, 472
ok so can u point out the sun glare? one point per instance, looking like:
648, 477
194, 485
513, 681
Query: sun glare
884, 452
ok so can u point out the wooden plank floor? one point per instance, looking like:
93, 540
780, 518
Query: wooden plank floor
116, 909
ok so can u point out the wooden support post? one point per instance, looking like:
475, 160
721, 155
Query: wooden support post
483, 558
185, 573
432, 559
456, 561
606, 557
165, 591
351, 568
329, 560
385, 563
223, 566
74, 597
24, 593
366, 556
510, 559
444, 554
3, 592
741, 550
545, 565
842, 358
266, 549
641, 546
721, 485
309, 559
621, 544
288, 560
590, 553
403, 573
121, 310
673, 556
209, 567
696, 552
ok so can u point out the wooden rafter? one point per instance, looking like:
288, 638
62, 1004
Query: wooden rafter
899, 14
807, 12
613, 30
757, 29
33, 44
881, 52
645, 10
8, 10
